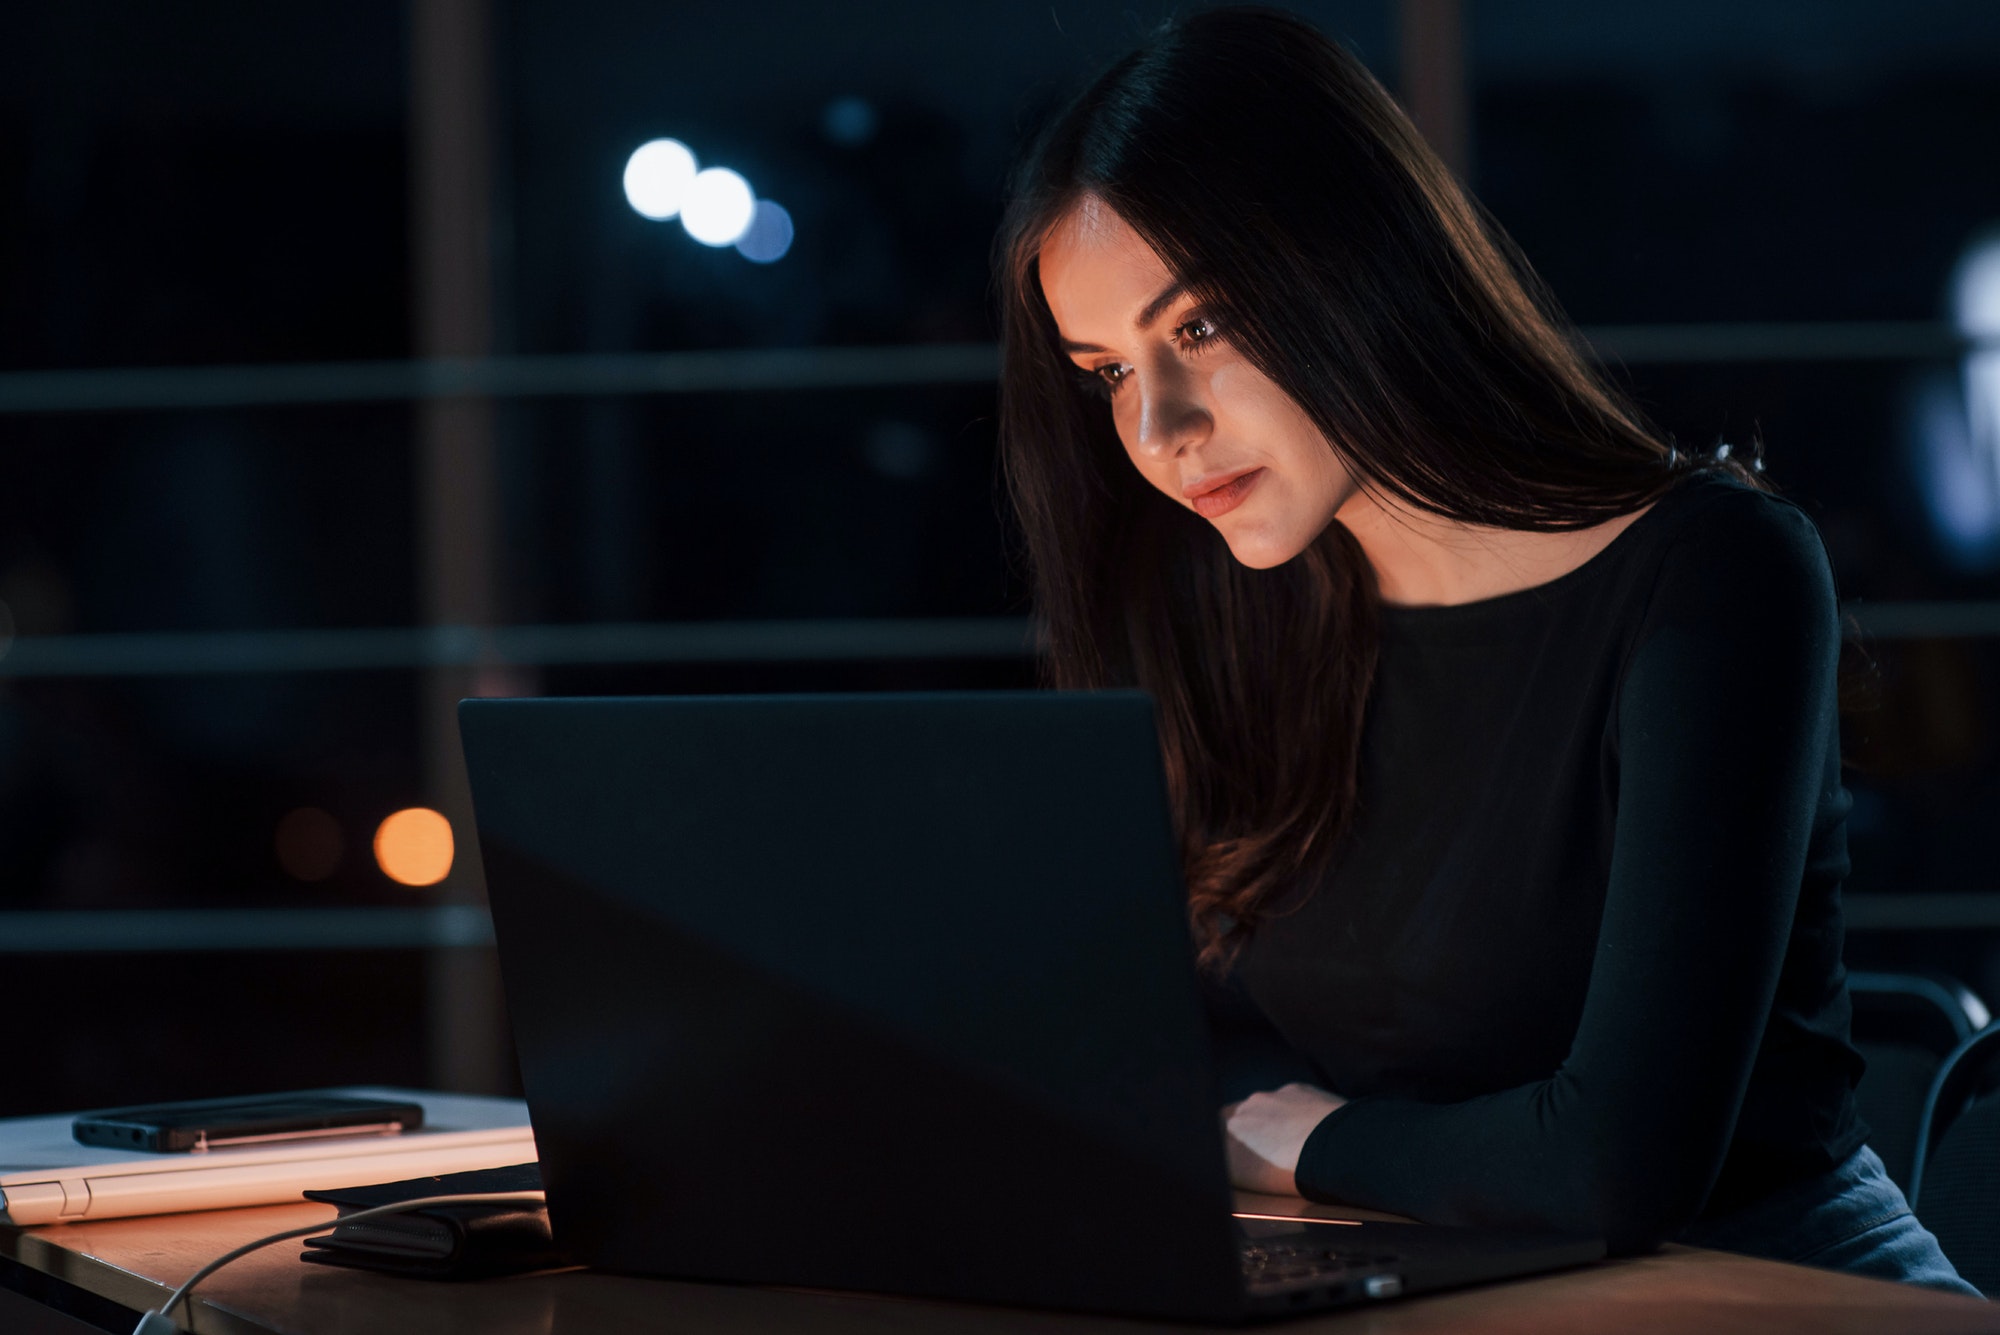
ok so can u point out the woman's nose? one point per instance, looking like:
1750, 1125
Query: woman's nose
1171, 415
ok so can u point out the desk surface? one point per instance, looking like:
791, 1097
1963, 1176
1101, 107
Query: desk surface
136, 1262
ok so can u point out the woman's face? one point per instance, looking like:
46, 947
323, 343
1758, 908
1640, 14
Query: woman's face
1200, 422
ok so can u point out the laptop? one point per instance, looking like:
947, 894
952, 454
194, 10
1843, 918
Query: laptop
46, 1177
891, 993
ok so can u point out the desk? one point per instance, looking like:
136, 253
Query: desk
136, 1262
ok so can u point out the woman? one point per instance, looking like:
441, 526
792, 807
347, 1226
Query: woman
1501, 735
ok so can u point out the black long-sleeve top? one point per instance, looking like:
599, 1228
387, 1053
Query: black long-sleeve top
1577, 964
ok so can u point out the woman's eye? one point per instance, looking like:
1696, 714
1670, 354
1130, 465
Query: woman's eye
1103, 381
1196, 332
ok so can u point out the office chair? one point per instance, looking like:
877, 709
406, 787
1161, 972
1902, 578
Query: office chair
1956, 1165
1905, 1025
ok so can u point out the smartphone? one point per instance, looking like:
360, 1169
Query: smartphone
271, 1119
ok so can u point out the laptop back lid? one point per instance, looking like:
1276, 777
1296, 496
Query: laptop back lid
886, 992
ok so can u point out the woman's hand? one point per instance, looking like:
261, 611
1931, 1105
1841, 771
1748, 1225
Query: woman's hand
1266, 1132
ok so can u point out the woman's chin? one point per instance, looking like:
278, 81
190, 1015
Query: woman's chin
1261, 550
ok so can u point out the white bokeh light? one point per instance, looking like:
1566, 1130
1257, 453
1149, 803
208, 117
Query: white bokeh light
769, 234
1976, 305
1976, 289
1957, 420
718, 207
657, 178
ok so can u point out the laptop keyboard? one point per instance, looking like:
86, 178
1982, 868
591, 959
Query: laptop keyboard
1275, 1262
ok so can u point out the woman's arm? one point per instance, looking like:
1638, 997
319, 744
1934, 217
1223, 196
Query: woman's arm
1727, 740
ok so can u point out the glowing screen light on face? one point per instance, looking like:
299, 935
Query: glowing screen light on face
718, 207
769, 235
657, 178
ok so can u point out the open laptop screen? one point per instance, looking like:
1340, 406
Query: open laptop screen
859, 991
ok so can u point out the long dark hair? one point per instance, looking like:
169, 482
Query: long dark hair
1283, 185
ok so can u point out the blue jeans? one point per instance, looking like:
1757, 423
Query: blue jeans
1850, 1218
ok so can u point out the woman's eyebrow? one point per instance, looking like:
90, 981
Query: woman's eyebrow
1168, 296
1171, 293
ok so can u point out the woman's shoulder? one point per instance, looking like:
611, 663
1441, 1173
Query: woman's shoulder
1721, 540
1715, 516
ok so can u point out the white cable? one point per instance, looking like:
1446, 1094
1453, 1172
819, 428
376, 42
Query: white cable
158, 1322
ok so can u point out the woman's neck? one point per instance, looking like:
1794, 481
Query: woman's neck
1424, 560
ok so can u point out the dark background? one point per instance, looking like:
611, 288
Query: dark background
211, 184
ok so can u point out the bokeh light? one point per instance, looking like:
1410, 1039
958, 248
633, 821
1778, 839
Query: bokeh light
769, 235
309, 845
1976, 289
849, 121
718, 207
1956, 420
414, 846
657, 177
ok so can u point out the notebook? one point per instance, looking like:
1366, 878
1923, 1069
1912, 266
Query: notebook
47, 1178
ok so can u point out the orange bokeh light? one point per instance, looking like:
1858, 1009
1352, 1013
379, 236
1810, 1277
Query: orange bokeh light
414, 846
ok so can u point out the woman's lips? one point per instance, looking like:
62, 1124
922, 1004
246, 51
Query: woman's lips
1221, 500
